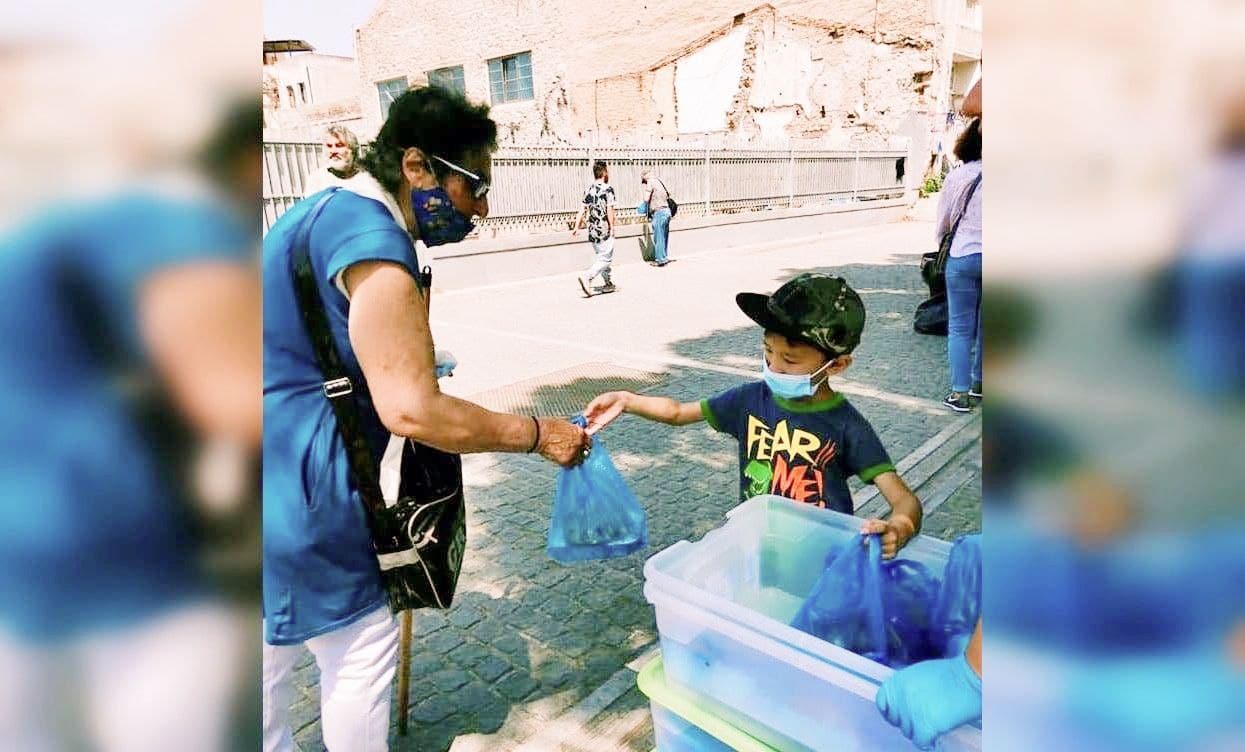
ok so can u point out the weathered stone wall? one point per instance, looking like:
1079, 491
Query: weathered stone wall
823, 72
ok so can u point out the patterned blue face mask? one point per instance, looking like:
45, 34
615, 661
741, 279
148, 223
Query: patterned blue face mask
439, 222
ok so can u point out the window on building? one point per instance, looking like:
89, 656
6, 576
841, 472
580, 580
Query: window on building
302, 92
510, 78
389, 91
448, 78
289, 90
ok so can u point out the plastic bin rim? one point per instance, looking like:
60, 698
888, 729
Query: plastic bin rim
923, 543
769, 628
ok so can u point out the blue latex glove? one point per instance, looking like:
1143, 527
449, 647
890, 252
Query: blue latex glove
928, 699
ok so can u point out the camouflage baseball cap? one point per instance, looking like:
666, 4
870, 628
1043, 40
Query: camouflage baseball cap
817, 308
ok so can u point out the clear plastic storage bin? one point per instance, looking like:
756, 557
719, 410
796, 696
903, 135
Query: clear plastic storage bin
724, 604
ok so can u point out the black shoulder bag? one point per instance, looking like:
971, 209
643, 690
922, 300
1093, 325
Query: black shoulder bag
420, 536
674, 205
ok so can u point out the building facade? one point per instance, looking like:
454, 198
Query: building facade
304, 91
818, 73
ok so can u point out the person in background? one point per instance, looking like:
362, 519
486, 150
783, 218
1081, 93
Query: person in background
971, 106
657, 199
959, 207
599, 203
341, 155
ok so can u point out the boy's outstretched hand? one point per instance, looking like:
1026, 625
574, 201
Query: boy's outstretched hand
895, 531
602, 411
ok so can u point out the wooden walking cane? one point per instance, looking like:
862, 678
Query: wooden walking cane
404, 672
404, 639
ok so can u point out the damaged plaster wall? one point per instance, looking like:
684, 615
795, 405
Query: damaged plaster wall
830, 85
783, 76
809, 81
615, 106
663, 101
707, 80
829, 73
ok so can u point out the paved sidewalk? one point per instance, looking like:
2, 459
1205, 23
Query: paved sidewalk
531, 647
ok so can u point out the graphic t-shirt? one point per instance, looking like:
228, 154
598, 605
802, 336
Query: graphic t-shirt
804, 451
598, 199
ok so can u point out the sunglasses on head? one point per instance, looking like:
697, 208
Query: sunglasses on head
479, 186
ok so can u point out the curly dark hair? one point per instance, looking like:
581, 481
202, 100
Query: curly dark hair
434, 120
968, 145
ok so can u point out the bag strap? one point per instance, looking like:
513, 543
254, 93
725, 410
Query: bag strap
664, 188
337, 385
964, 208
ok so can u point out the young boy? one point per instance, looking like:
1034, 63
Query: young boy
797, 437
599, 204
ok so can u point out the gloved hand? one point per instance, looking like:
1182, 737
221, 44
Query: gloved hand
928, 699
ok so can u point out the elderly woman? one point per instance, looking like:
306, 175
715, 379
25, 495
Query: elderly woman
425, 176
657, 198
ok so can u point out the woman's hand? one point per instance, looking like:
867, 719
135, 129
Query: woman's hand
563, 443
604, 409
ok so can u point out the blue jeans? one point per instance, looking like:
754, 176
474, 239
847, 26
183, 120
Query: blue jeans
661, 234
964, 320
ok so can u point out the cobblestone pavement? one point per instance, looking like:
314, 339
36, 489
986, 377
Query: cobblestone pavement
527, 639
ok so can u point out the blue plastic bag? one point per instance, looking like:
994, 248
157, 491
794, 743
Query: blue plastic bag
595, 515
845, 606
909, 596
880, 610
959, 600
642, 208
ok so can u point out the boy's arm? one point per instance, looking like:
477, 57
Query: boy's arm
579, 218
605, 408
905, 518
611, 217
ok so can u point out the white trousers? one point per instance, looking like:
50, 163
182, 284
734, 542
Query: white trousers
602, 260
357, 664
169, 683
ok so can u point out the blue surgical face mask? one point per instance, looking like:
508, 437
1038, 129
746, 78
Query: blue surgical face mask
791, 385
438, 221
